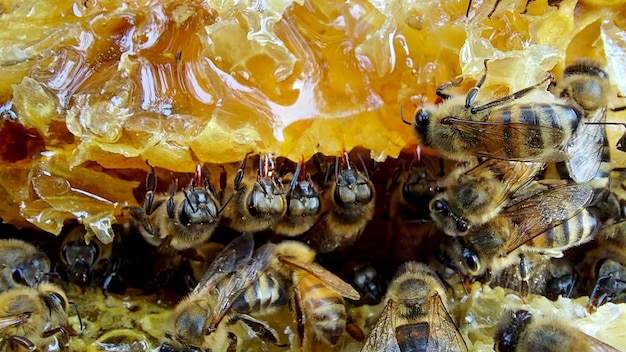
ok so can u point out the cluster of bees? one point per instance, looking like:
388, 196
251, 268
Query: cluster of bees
521, 180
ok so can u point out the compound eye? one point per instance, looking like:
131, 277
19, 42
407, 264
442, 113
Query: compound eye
18, 276
439, 206
462, 226
422, 117
471, 260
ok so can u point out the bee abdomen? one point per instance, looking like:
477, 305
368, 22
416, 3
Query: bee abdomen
575, 231
264, 294
324, 309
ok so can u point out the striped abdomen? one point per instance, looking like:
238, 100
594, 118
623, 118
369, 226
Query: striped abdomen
577, 230
534, 129
267, 292
324, 310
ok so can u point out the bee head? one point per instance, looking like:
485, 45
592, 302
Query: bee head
421, 123
512, 325
450, 223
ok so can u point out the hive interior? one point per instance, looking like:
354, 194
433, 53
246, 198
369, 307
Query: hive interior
92, 89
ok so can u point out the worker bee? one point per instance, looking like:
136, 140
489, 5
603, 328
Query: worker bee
349, 202
84, 260
180, 219
195, 320
303, 203
509, 128
258, 202
317, 294
30, 317
585, 86
476, 194
519, 331
610, 284
543, 225
415, 317
21, 264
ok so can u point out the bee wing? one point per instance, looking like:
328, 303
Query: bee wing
514, 174
548, 209
443, 332
382, 338
239, 281
11, 321
585, 148
329, 279
232, 258
597, 345
488, 136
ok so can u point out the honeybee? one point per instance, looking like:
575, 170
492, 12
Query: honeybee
349, 205
586, 87
304, 203
509, 128
476, 194
415, 317
258, 202
181, 219
610, 284
195, 320
519, 331
408, 194
367, 279
543, 226
21, 264
30, 317
317, 294
84, 260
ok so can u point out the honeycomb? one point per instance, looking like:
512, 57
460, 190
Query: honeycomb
92, 89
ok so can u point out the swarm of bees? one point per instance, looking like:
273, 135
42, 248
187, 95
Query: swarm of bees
521, 195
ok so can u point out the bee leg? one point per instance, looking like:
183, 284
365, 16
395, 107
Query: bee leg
447, 85
261, 329
64, 340
300, 319
151, 186
354, 330
22, 341
524, 272
170, 200
526, 7
236, 183
508, 98
469, 6
495, 6
140, 215
232, 344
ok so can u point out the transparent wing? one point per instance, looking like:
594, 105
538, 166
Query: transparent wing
443, 333
585, 149
11, 321
232, 258
512, 141
329, 279
546, 210
382, 338
238, 282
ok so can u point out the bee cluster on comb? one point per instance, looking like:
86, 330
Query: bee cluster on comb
237, 176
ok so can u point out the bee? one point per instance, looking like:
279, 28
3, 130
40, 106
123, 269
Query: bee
519, 331
181, 219
349, 202
194, 323
543, 225
610, 284
304, 203
476, 194
30, 317
21, 264
83, 260
258, 203
317, 294
509, 128
367, 279
415, 317
586, 87
408, 193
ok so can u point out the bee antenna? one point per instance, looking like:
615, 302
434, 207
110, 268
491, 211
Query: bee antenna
402, 116
294, 180
260, 172
189, 201
80, 320
336, 169
364, 167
